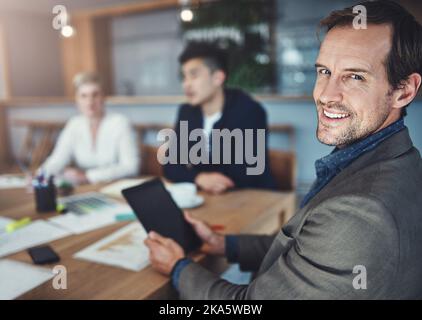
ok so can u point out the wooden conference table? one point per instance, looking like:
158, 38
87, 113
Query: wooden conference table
243, 211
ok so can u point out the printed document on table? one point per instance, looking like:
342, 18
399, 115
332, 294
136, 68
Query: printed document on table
34, 234
77, 224
124, 248
16, 278
4, 222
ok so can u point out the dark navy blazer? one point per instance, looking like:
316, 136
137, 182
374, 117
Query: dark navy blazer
239, 111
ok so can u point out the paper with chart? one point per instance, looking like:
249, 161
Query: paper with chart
34, 234
16, 278
89, 211
125, 249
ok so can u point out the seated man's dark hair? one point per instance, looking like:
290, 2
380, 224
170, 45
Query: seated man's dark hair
214, 57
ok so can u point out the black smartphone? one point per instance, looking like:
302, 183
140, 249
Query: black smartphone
43, 255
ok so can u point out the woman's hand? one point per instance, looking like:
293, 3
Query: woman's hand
75, 176
214, 182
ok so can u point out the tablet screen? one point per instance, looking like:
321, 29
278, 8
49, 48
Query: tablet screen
156, 210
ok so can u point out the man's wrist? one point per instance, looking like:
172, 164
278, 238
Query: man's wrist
177, 270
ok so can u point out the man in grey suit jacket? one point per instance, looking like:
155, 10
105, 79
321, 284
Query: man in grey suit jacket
358, 233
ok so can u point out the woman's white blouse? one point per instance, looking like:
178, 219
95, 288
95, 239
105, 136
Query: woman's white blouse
114, 155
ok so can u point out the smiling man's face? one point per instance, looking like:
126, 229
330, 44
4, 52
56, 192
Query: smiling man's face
352, 92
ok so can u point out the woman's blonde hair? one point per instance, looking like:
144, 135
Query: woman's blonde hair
84, 78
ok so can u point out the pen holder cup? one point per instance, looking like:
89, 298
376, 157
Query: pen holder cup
45, 198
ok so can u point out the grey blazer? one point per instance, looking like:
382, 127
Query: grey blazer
369, 215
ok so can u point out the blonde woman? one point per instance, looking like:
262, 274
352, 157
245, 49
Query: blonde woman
100, 144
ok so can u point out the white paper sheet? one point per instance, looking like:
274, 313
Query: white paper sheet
115, 189
16, 278
10, 181
34, 234
4, 222
124, 248
78, 224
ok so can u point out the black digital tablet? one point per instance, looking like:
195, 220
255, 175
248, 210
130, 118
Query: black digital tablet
157, 211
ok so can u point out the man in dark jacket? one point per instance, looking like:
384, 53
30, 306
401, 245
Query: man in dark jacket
212, 107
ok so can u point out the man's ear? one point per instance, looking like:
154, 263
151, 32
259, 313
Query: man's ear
219, 77
407, 91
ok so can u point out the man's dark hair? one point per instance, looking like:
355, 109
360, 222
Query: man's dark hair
214, 57
405, 56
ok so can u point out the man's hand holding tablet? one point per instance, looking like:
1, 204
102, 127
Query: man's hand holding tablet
171, 233
165, 252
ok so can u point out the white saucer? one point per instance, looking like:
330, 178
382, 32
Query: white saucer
192, 203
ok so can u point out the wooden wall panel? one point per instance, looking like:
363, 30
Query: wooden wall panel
4, 136
78, 51
5, 160
102, 52
4, 64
